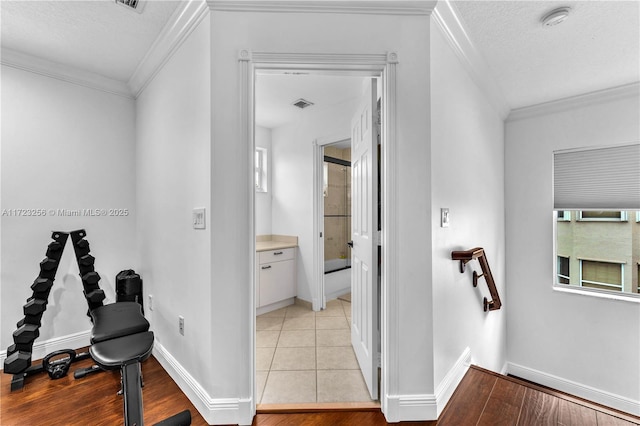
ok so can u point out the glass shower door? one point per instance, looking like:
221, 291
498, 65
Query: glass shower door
337, 212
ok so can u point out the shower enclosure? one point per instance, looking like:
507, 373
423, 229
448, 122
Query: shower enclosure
337, 208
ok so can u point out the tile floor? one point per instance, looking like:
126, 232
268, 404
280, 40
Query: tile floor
304, 356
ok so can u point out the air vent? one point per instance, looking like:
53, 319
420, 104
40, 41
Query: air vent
302, 103
136, 5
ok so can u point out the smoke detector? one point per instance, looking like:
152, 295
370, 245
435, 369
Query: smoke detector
302, 103
135, 5
555, 17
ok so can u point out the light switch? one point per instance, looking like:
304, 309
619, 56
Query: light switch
444, 218
198, 218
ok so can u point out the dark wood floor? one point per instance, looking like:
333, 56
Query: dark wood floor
487, 398
483, 398
92, 400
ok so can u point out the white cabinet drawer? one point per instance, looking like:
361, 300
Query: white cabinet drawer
277, 282
276, 255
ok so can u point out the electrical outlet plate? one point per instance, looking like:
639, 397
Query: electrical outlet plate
181, 324
198, 218
150, 302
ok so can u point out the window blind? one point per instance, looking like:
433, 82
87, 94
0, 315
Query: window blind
597, 178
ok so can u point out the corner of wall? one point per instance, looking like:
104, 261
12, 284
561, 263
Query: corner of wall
214, 410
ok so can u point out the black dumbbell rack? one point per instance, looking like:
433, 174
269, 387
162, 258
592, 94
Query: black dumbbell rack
18, 361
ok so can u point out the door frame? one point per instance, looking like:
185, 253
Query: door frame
383, 65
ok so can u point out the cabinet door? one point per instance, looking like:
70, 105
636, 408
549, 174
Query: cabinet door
277, 282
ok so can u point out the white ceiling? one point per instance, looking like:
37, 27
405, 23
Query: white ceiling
276, 93
596, 48
93, 35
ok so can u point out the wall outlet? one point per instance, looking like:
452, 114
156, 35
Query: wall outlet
150, 302
181, 324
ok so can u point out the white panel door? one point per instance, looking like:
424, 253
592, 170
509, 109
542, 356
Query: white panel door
364, 222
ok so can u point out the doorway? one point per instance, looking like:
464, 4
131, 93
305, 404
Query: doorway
305, 355
384, 65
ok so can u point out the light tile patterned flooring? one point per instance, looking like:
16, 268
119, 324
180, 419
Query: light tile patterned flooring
304, 356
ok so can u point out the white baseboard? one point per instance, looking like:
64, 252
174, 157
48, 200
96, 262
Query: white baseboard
402, 408
277, 305
609, 399
405, 408
337, 293
448, 385
215, 411
40, 349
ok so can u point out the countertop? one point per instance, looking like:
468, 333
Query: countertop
275, 242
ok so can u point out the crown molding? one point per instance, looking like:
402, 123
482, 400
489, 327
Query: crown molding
446, 18
370, 7
44, 67
564, 104
180, 25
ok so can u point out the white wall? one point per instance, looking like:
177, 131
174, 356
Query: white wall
467, 168
263, 199
231, 280
293, 177
63, 147
173, 162
589, 344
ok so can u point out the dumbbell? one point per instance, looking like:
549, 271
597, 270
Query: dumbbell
48, 267
26, 333
41, 285
22, 347
17, 362
41, 288
82, 247
53, 247
95, 296
30, 319
90, 278
34, 306
48, 264
87, 260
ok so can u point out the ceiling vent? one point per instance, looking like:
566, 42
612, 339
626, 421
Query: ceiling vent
302, 103
136, 5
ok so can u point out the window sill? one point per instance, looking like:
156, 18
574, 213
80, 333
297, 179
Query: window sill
603, 294
603, 220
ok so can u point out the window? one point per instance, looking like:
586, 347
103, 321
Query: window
261, 170
603, 215
602, 275
596, 197
563, 270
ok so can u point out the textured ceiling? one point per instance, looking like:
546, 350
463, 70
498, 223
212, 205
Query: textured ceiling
597, 47
95, 35
275, 94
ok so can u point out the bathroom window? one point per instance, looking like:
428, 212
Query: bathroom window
261, 170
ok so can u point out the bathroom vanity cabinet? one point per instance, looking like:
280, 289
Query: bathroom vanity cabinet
275, 275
